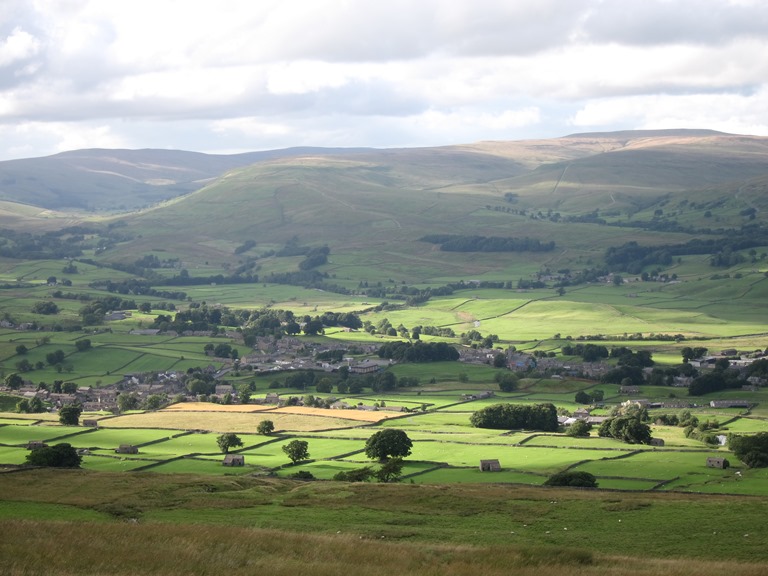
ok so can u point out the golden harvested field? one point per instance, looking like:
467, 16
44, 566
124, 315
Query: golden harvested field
359, 415
211, 407
223, 421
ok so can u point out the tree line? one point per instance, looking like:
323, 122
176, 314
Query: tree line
458, 243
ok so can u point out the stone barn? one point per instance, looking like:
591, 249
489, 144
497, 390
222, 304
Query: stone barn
34, 444
490, 466
233, 460
127, 449
717, 463
657, 442
91, 423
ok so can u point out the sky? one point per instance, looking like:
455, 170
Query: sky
244, 75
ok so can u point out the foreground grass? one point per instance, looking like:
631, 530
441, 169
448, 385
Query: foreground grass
191, 550
242, 525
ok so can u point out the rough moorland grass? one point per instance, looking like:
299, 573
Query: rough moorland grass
421, 516
186, 551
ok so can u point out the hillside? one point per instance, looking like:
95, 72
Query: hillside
376, 205
119, 180
583, 194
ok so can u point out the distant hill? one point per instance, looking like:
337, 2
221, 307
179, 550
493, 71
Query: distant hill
99, 179
372, 208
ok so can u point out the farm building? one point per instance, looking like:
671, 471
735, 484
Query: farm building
233, 460
657, 442
91, 423
366, 367
490, 466
717, 463
729, 404
33, 444
127, 449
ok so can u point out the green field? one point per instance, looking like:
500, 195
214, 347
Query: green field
446, 516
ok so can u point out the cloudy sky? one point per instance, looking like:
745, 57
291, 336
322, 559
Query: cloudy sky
243, 75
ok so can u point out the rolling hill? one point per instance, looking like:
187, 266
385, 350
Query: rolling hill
118, 180
372, 208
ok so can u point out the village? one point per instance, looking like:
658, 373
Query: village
275, 356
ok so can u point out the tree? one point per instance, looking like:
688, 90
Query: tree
390, 471
583, 397
14, 381
324, 386
572, 478
500, 360
357, 475
33, 406
45, 308
127, 401
508, 382
24, 365
265, 427
69, 414
388, 443
21, 349
155, 401
227, 441
56, 357
58, 456
297, 450
580, 428
83, 345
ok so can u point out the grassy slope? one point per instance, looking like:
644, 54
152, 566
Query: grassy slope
277, 525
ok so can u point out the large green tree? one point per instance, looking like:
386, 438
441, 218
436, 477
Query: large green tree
297, 450
265, 427
227, 441
388, 443
14, 381
69, 414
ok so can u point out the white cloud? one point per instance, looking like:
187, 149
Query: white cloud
735, 113
198, 75
19, 45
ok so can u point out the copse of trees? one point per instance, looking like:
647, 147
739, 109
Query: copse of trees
715, 381
418, 351
542, 417
588, 352
572, 478
752, 450
458, 243
628, 429
61, 455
